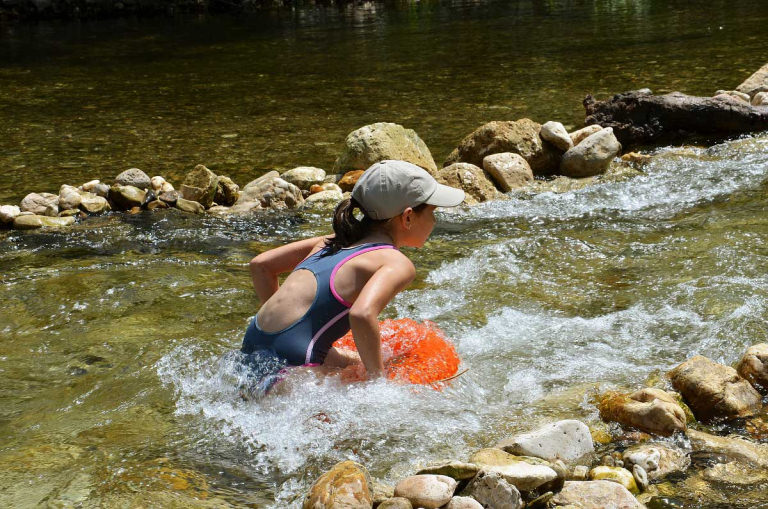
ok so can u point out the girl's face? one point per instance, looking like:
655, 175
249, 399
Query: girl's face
417, 226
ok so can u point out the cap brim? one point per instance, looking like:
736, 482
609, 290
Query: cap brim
446, 196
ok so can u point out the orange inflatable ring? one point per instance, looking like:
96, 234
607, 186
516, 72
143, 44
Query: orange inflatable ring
413, 352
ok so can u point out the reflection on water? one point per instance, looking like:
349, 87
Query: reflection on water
118, 381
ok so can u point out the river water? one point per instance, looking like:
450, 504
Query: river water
117, 379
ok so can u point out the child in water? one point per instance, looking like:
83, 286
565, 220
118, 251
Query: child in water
345, 280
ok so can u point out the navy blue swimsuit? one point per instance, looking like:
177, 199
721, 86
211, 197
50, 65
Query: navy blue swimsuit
308, 340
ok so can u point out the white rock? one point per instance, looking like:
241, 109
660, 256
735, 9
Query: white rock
323, 198
330, 186
69, 198
556, 134
304, 177
463, 503
567, 440
592, 156
584, 133
524, 475
658, 460
760, 99
90, 185
508, 170
8, 213
41, 204
492, 491
427, 490
160, 185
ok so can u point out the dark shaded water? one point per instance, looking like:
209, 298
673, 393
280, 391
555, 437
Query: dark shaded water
116, 383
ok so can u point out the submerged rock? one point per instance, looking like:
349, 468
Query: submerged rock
567, 440
126, 197
616, 474
455, 469
526, 474
714, 391
473, 180
200, 185
346, 485
304, 177
33, 222
658, 460
8, 213
509, 171
491, 490
592, 156
753, 366
520, 137
650, 410
41, 204
427, 491
134, 177
383, 140
733, 448
595, 495
556, 134
584, 133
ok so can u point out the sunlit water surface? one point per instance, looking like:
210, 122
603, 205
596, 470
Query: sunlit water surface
118, 384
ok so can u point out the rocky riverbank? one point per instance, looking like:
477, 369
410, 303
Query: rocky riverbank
654, 438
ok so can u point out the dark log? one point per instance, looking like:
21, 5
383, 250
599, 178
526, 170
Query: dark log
640, 118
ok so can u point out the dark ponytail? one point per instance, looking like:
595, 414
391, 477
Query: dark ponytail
347, 228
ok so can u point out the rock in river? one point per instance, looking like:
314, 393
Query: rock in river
41, 204
592, 156
714, 391
658, 460
568, 440
396, 503
126, 197
463, 503
508, 170
383, 140
227, 192
595, 495
616, 474
473, 180
526, 474
650, 410
200, 186
584, 133
756, 83
190, 206
521, 137
69, 198
134, 177
304, 177
455, 469
268, 191
8, 213
753, 366
491, 490
349, 179
33, 222
733, 448
346, 486
427, 491
557, 135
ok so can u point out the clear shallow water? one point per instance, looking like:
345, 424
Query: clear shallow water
116, 379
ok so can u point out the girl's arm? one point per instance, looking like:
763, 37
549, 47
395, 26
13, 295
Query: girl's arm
268, 265
385, 283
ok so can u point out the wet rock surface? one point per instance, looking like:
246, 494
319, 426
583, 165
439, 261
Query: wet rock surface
714, 391
524, 473
732, 448
126, 197
658, 460
455, 469
33, 222
347, 485
616, 474
650, 410
753, 367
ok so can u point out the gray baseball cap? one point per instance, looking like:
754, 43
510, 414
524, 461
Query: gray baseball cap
389, 187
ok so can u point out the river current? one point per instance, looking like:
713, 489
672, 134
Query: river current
118, 385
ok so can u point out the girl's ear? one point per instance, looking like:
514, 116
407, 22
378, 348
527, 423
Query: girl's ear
407, 218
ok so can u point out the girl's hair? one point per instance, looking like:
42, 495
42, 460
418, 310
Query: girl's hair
348, 229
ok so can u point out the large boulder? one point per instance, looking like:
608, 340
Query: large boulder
126, 197
525, 474
41, 204
658, 460
568, 440
268, 192
304, 177
199, 185
8, 213
556, 134
227, 191
714, 391
32, 222
595, 495
492, 491
427, 491
346, 486
473, 180
383, 140
520, 137
508, 170
753, 366
592, 156
756, 83
649, 410
134, 177
733, 448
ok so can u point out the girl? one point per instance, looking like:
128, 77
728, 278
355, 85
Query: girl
345, 280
